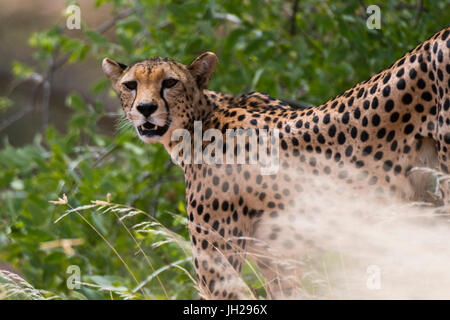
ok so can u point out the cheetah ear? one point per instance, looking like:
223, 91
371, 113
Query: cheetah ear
112, 69
202, 68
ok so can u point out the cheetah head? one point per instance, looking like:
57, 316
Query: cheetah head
159, 95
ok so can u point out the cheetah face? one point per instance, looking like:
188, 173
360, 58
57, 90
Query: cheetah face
159, 95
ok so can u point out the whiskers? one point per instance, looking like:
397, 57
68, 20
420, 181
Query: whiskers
123, 125
132, 122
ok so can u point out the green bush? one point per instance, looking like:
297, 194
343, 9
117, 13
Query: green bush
312, 56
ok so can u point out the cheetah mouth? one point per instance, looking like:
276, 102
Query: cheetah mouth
149, 129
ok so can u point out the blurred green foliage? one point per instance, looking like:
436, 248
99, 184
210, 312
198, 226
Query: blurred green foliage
311, 56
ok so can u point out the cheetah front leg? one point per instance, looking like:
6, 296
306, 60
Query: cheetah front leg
444, 182
280, 269
443, 149
282, 277
218, 260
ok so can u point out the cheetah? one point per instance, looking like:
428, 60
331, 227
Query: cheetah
370, 137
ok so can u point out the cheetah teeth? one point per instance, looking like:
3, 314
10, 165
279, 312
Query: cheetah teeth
151, 129
149, 126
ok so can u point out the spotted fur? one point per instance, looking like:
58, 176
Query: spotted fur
370, 137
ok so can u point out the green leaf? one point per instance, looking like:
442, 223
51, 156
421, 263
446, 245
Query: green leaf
95, 37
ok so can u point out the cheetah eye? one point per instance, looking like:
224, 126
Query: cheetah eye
169, 83
130, 85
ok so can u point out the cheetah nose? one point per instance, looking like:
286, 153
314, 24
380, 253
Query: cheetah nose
146, 108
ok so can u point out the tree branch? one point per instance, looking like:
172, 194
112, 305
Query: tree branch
101, 29
419, 9
44, 82
297, 104
293, 27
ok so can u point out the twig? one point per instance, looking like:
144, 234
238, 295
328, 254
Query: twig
45, 82
297, 104
402, 6
419, 9
361, 2
293, 27
101, 29
6, 123
38, 79
104, 155
47, 88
